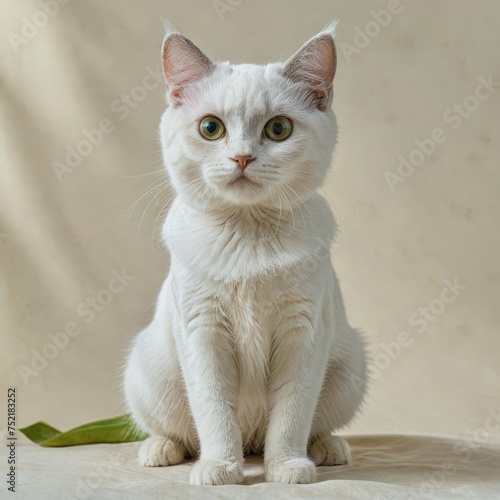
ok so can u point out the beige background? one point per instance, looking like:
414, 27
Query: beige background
60, 242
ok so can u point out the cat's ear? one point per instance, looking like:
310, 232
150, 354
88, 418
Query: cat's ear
314, 64
183, 64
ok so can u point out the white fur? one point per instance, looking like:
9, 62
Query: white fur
249, 349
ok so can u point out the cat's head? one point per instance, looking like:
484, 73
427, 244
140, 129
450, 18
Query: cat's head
248, 134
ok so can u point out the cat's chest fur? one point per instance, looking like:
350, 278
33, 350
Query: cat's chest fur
249, 307
235, 246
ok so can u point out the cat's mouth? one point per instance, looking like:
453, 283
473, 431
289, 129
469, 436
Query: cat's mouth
243, 182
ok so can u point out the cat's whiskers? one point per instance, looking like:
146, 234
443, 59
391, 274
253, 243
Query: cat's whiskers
165, 203
334, 197
338, 184
298, 205
205, 200
147, 206
333, 202
287, 199
132, 207
275, 192
162, 170
156, 227
163, 210
200, 191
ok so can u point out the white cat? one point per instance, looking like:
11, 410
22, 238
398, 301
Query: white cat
249, 349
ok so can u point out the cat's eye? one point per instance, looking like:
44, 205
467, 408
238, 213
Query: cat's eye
278, 128
211, 128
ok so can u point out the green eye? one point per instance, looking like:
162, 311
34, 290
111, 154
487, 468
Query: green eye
211, 128
278, 128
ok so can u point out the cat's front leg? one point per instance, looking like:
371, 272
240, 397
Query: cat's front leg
298, 364
211, 381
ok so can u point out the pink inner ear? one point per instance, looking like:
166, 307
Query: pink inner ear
183, 63
176, 96
314, 64
327, 56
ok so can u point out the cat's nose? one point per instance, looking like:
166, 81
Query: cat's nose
243, 160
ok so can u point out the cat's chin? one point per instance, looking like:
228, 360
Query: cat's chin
243, 191
243, 186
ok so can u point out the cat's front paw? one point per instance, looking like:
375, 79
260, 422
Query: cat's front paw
330, 450
216, 472
291, 471
158, 451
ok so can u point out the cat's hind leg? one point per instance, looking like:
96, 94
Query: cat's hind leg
165, 416
160, 451
330, 450
156, 396
341, 396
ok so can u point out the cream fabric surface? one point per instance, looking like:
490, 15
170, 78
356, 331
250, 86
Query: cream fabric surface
383, 467
81, 263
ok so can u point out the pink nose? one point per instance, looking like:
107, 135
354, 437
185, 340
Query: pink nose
243, 160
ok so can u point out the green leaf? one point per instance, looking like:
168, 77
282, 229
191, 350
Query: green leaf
120, 429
